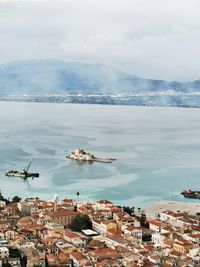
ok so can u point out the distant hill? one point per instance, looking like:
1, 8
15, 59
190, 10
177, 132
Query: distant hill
50, 77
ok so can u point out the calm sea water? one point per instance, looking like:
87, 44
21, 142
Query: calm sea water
157, 151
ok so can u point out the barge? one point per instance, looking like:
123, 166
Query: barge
22, 174
189, 193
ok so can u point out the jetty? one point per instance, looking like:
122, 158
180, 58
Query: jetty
80, 155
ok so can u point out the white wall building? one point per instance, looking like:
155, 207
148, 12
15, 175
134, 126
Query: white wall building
4, 252
158, 239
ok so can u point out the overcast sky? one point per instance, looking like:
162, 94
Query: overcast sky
149, 38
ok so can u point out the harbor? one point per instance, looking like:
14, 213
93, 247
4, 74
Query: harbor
143, 173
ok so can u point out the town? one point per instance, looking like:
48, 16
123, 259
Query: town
69, 232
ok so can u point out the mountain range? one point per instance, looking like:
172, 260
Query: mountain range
60, 81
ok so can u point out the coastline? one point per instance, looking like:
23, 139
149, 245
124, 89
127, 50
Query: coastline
163, 205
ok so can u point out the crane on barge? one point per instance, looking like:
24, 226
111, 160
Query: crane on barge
24, 173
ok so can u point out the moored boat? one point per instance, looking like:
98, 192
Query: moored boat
22, 174
189, 193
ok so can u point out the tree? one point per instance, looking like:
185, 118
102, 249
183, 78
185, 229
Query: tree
75, 208
6, 264
16, 199
14, 253
77, 194
80, 222
23, 261
127, 210
3, 198
143, 221
133, 209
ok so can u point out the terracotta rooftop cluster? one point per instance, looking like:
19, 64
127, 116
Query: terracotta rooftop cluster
39, 232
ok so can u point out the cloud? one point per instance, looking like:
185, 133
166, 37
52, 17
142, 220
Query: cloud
148, 38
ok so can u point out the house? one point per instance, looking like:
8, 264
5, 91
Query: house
104, 253
193, 237
156, 259
2, 236
102, 214
4, 252
24, 221
61, 217
103, 204
2, 204
52, 249
78, 259
28, 207
170, 216
10, 234
52, 260
75, 238
183, 246
134, 231
155, 225
158, 239
14, 262
102, 226
108, 225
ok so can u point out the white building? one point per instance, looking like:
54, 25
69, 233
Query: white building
4, 252
2, 236
2, 204
158, 239
155, 225
170, 216
27, 207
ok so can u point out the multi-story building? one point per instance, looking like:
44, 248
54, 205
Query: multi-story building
183, 246
61, 217
4, 252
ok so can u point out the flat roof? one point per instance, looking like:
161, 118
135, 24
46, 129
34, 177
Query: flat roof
89, 232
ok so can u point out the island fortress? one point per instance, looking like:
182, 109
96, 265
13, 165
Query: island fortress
81, 155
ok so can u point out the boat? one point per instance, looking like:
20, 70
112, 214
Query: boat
22, 174
81, 155
189, 193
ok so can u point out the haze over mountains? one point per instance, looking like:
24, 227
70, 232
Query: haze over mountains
59, 81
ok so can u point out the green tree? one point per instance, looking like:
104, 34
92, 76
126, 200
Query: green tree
127, 209
80, 222
16, 199
143, 221
75, 208
6, 264
23, 260
3, 198
14, 253
77, 194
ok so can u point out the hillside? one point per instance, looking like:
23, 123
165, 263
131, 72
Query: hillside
45, 78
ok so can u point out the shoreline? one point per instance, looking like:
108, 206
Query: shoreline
163, 205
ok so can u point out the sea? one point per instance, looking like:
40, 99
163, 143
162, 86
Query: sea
157, 151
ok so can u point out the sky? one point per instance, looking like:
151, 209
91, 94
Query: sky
149, 38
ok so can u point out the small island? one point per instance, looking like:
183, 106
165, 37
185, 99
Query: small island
81, 155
